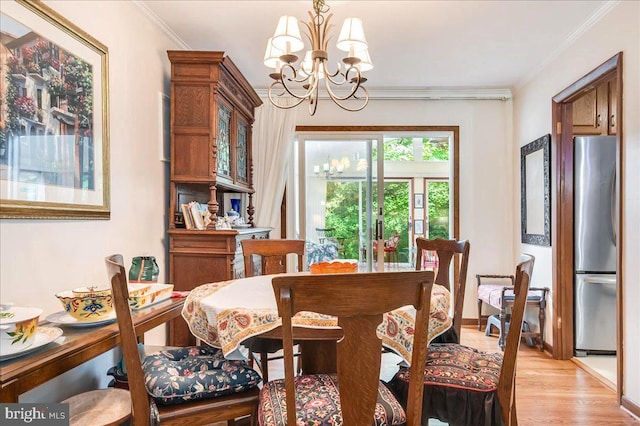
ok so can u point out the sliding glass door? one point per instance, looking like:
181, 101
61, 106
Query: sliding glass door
338, 190
355, 189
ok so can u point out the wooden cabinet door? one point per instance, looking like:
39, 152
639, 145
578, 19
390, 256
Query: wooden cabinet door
613, 100
590, 112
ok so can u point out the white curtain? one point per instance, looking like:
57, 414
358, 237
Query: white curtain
273, 133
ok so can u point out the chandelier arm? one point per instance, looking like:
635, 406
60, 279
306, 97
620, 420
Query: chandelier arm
352, 95
295, 104
283, 82
342, 82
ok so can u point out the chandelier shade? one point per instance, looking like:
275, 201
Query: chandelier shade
352, 36
287, 35
301, 81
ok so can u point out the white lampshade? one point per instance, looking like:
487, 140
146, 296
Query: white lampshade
365, 63
287, 35
272, 55
352, 36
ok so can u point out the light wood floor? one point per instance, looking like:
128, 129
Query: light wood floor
549, 392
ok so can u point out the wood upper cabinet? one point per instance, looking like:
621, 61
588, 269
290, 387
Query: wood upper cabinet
613, 103
594, 112
212, 111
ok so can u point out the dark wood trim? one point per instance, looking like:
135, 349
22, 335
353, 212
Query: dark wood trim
619, 266
562, 210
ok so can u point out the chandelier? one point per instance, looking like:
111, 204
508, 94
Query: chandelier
303, 83
332, 168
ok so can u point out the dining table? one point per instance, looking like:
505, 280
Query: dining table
228, 314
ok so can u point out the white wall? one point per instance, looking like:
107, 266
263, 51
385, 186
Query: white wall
618, 31
487, 184
40, 258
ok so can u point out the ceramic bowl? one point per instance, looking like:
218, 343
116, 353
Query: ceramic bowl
84, 308
136, 290
18, 328
92, 290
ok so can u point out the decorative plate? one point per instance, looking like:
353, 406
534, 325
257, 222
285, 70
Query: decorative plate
44, 336
63, 318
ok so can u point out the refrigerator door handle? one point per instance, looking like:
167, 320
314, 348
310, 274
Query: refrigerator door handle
614, 199
602, 280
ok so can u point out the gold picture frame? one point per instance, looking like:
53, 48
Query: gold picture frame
54, 126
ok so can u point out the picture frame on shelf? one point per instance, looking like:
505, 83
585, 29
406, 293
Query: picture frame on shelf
418, 201
54, 142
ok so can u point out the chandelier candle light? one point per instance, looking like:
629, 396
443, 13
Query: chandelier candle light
303, 83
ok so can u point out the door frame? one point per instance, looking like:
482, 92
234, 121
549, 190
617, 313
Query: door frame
562, 210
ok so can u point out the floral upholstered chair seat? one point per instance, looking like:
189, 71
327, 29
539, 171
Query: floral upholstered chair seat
177, 375
461, 374
318, 401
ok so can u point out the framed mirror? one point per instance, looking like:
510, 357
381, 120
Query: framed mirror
535, 191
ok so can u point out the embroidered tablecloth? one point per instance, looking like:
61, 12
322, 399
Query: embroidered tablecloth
226, 313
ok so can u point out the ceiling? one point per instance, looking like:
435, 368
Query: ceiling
413, 44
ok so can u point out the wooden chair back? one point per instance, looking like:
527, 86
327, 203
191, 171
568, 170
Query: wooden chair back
507, 381
273, 255
197, 412
446, 250
359, 301
128, 341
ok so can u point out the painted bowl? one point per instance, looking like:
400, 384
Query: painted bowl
18, 328
91, 290
85, 308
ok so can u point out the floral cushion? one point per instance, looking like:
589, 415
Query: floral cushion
325, 252
317, 403
461, 367
177, 375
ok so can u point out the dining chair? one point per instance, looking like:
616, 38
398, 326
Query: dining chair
445, 251
466, 387
190, 385
273, 254
354, 396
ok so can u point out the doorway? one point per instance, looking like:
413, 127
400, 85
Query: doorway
563, 212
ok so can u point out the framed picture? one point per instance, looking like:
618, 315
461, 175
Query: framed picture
535, 188
418, 201
418, 226
54, 139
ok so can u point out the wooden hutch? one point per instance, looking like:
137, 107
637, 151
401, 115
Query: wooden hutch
212, 112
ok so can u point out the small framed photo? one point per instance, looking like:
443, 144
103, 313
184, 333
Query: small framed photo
418, 226
418, 201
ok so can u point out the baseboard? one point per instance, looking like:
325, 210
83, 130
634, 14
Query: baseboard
608, 383
631, 407
473, 321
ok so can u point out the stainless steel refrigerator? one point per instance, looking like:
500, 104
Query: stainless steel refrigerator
595, 234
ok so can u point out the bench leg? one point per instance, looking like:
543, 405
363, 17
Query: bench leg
503, 329
541, 320
479, 315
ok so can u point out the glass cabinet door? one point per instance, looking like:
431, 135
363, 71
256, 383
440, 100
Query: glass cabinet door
224, 141
242, 160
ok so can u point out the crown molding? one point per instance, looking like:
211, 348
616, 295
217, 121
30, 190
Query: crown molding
424, 93
161, 24
564, 46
